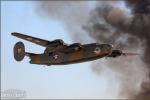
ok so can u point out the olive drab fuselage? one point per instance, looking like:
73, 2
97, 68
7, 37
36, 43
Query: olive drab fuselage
87, 53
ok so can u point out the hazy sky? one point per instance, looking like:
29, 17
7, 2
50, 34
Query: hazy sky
68, 81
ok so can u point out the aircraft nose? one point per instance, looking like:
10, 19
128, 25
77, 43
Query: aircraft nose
109, 47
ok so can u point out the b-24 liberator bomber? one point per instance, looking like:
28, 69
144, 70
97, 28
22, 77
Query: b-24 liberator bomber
59, 53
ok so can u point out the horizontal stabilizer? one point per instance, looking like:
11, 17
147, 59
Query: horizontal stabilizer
30, 54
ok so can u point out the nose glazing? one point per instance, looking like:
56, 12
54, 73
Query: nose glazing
109, 47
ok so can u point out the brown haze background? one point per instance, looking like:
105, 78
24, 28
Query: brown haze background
107, 23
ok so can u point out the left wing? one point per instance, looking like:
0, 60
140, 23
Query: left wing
39, 41
56, 45
35, 40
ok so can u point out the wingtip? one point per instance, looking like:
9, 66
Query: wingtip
13, 33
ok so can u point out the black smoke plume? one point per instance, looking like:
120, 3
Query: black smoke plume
107, 23
135, 24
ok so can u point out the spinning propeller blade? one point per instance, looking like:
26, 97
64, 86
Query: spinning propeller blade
130, 54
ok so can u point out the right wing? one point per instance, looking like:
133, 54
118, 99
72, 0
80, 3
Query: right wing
39, 41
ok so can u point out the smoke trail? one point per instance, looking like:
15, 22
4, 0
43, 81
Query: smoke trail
115, 26
68, 13
141, 24
109, 24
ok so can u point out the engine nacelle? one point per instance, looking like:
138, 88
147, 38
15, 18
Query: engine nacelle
56, 42
75, 46
115, 53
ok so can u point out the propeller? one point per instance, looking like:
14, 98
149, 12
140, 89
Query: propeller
116, 51
130, 54
121, 48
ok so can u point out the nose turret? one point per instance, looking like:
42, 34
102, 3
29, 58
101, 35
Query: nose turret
106, 48
111, 45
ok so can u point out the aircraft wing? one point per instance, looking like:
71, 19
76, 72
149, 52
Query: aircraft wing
56, 45
38, 41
